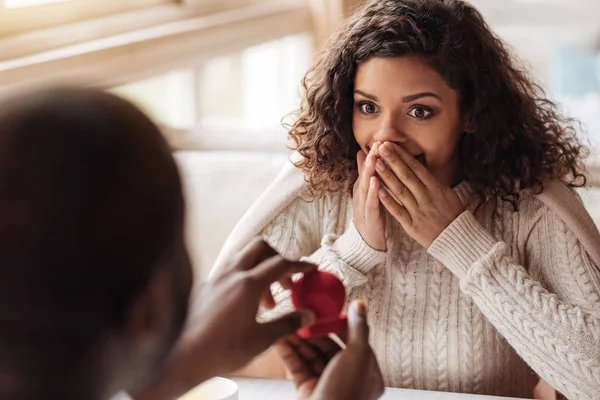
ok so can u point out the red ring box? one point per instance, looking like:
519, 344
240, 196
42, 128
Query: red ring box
324, 294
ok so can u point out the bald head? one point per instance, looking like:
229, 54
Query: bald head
90, 207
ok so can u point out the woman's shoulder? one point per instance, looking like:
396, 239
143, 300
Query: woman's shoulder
553, 204
553, 197
328, 206
290, 196
293, 186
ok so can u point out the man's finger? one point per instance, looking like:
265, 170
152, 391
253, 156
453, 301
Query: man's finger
252, 255
268, 301
326, 346
277, 269
298, 369
272, 331
287, 283
310, 353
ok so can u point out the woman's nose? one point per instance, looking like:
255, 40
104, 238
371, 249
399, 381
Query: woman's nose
389, 131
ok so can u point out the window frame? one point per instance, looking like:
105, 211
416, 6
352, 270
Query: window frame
14, 21
115, 46
137, 54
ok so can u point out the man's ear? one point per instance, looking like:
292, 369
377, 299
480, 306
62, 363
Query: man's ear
148, 318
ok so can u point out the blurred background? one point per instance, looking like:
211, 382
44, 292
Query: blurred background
219, 76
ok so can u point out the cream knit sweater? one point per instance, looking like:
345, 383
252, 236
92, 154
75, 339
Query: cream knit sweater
500, 298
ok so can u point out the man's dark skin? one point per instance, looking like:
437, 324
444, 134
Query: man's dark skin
95, 280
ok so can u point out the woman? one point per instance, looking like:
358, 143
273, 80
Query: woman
428, 156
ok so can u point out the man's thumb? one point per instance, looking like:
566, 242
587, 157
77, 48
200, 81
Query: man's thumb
358, 329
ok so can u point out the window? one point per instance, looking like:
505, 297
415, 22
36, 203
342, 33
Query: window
233, 101
163, 98
216, 66
154, 38
256, 87
575, 84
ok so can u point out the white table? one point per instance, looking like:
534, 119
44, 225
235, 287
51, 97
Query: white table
272, 389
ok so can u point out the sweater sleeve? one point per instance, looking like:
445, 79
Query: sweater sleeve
313, 231
553, 323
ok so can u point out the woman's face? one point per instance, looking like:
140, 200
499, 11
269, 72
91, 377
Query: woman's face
403, 100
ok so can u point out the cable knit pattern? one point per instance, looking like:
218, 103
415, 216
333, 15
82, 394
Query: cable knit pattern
466, 324
556, 333
433, 331
441, 325
478, 351
465, 314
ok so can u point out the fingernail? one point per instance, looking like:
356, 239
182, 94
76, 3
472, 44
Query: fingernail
372, 182
308, 318
382, 193
360, 308
384, 150
379, 165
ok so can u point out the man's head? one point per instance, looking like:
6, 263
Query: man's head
94, 275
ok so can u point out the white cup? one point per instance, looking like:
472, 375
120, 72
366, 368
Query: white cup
213, 389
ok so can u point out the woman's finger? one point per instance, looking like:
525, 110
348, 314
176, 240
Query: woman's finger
403, 172
360, 160
372, 205
395, 187
398, 212
419, 169
365, 178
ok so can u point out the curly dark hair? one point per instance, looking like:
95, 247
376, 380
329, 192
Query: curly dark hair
519, 138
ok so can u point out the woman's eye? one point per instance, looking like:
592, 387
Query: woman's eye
367, 108
420, 112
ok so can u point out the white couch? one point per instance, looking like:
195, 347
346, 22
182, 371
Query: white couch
221, 185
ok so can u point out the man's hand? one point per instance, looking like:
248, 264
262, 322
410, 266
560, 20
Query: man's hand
320, 369
222, 333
